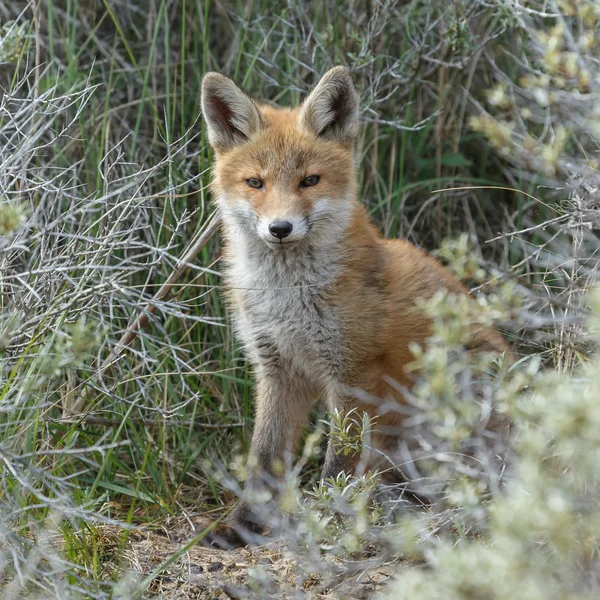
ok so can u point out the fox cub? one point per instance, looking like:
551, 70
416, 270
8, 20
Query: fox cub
324, 306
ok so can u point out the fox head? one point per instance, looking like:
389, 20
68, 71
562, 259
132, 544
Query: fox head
284, 176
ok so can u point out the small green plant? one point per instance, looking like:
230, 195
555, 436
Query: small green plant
349, 430
15, 41
11, 217
340, 513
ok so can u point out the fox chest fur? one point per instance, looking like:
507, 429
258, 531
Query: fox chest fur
283, 310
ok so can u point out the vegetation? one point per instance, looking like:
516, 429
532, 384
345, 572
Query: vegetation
480, 142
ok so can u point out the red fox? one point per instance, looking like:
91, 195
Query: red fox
324, 306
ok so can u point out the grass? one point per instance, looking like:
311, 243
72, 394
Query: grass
106, 160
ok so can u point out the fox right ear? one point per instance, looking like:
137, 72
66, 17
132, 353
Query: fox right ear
231, 116
331, 110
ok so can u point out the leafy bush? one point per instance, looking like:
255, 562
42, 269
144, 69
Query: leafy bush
539, 535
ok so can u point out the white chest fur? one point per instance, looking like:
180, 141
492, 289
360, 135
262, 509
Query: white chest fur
283, 310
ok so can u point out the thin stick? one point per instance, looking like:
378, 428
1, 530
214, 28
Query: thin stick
38, 50
494, 187
105, 421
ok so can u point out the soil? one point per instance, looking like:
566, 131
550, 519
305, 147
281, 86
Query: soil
263, 572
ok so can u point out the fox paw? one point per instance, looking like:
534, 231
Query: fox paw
225, 536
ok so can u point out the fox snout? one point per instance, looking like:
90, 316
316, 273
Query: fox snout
278, 231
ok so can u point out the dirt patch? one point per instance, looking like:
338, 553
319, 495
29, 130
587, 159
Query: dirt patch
269, 571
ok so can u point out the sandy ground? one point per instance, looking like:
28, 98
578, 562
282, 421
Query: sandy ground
268, 571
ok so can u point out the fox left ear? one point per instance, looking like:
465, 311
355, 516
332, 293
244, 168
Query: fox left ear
331, 109
231, 116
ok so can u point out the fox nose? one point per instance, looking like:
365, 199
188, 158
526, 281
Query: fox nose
280, 229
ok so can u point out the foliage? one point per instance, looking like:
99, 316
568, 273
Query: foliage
480, 141
539, 535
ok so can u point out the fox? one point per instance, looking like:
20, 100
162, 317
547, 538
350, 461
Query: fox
323, 305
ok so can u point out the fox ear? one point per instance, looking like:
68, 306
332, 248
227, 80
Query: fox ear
331, 109
231, 116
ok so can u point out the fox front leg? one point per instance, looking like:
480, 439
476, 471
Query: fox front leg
338, 461
283, 403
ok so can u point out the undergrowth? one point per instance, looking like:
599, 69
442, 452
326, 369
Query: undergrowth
480, 141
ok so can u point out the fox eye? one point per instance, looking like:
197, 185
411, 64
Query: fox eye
255, 183
310, 181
